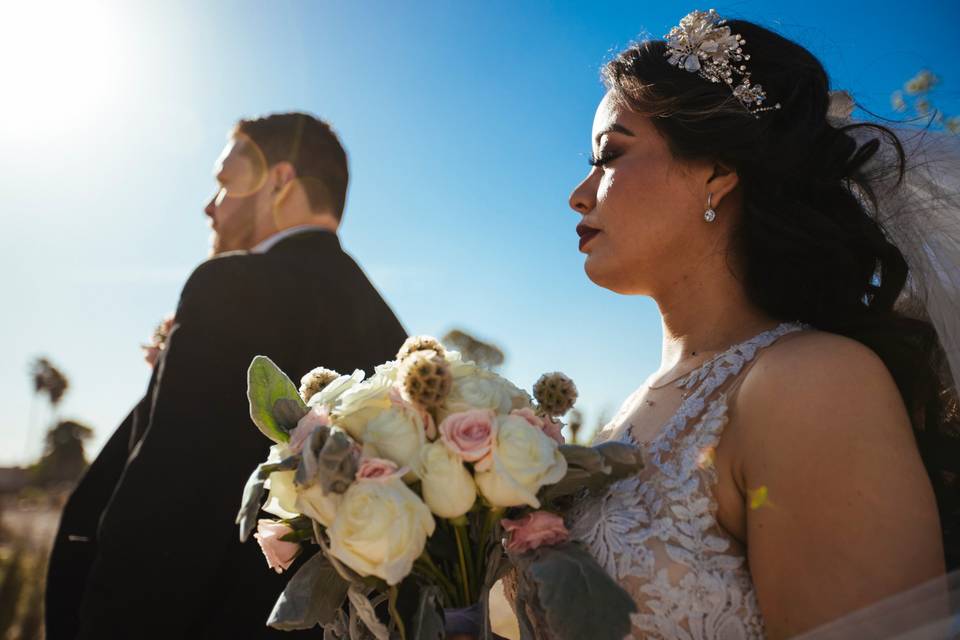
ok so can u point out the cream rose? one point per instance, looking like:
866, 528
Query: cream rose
448, 488
314, 503
362, 403
396, 434
381, 528
287, 500
282, 499
480, 389
330, 394
523, 460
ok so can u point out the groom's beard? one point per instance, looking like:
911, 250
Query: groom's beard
237, 231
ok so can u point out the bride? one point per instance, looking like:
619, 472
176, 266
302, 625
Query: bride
795, 427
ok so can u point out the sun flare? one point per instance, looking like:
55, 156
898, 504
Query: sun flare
60, 63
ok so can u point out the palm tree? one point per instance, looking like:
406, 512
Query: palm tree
47, 380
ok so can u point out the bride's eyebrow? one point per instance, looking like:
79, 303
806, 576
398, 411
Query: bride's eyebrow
614, 128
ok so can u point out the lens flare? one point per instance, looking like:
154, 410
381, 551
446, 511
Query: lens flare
707, 457
759, 498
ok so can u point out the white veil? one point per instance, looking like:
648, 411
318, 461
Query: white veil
925, 612
921, 216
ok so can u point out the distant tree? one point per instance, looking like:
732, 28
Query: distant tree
917, 90
49, 380
575, 423
63, 458
483, 353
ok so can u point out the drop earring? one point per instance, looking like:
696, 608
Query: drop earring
709, 215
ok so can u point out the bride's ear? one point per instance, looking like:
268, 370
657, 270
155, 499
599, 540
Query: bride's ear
722, 181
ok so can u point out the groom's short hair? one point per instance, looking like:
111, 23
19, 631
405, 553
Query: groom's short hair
310, 145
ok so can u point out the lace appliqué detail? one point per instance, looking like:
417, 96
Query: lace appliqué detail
657, 532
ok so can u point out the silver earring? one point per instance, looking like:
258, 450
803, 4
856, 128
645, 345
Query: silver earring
709, 215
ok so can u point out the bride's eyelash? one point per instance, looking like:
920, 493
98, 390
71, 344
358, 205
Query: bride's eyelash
602, 159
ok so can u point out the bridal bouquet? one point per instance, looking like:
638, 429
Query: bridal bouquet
421, 487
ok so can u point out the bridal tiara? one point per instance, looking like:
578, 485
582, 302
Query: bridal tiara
702, 44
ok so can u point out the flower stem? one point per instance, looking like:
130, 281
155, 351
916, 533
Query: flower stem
434, 571
459, 531
492, 516
392, 608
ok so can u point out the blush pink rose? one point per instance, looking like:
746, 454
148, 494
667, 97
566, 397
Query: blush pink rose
279, 553
469, 434
548, 425
158, 341
316, 417
150, 354
378, 469
534, 530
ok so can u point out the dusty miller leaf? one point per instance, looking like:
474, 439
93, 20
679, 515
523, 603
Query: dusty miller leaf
367, 613
253, 493
567, 574
313, 596
427, 623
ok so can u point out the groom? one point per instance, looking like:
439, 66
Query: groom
147, 546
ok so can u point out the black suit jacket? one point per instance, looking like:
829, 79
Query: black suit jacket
147, 546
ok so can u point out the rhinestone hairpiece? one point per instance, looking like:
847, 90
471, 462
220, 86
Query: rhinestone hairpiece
702, 44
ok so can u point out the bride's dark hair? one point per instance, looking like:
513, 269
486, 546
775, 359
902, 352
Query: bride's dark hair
806, 248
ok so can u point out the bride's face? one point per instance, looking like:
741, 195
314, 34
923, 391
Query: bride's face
642, 209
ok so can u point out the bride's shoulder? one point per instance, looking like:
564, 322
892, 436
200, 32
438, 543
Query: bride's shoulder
817, 381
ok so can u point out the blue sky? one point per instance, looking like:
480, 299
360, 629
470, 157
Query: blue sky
466, 124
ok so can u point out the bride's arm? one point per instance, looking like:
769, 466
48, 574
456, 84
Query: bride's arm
842, 511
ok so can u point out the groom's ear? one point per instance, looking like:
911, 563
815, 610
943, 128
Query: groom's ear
283, 174
722, 181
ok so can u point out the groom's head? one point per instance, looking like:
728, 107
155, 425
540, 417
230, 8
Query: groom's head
276, 172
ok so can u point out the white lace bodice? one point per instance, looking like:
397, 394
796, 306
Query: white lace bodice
657, 532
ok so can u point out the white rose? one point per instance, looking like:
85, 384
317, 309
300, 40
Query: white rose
282, 500
476, 388
381, 528
396, 434
361, 403
448, 488
287, 500
523, 459
387, 370
314, 503
332, 392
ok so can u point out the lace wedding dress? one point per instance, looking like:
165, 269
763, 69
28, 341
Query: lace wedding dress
657, 532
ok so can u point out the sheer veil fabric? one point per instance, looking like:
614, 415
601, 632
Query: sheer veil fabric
921, 216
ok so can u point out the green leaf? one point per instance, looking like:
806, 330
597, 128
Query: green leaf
313, 596
427, 623
288, 412
266, 385
574, 595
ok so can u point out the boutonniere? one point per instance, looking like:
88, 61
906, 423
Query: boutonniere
158, 341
